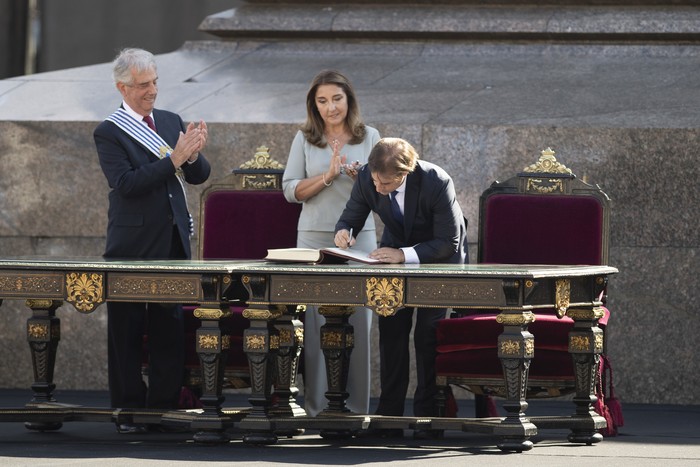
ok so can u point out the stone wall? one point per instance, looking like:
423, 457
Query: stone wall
53, 199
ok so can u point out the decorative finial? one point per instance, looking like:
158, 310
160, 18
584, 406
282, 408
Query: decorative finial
547, 163
261, 160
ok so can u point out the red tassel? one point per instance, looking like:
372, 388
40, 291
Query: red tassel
613, 402
615, 408
608, 407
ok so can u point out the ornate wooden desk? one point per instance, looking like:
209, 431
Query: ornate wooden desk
275, 336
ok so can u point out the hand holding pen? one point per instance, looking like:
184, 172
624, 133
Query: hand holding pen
343, 239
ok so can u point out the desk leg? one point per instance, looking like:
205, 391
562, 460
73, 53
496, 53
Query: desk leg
261, 343
43, 334
585, 347
337, 342
515, 350
291, 338
212, 348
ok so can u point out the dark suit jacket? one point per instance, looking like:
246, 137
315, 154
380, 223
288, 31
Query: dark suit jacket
145, 199
433, 221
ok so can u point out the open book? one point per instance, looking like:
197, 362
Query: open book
322, 256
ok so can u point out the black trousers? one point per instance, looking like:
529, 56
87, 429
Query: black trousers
394, 336
163, 323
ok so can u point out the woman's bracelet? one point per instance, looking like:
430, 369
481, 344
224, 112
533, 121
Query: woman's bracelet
323, 176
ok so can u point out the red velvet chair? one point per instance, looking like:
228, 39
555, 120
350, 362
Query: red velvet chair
544, 215
241, 216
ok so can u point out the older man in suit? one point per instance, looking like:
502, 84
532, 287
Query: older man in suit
147, 156
423, 223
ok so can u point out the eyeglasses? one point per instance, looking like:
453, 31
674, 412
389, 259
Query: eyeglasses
143, 86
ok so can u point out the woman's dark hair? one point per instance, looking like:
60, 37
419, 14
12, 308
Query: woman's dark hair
314, 126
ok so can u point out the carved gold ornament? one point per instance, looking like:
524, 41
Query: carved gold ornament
84, 290
208, 341
264, 313
547, 163
385, 295
256, 179
579, 343
510, 347
562, 296
509, 319
331, 340
261, 160
212, 313
538, 185
38, 331
39, 303
581, 314
255, 342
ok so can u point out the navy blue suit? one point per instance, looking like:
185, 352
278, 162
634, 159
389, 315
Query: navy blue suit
147, 219
435, 226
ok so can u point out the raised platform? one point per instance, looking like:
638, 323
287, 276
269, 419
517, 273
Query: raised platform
622, 115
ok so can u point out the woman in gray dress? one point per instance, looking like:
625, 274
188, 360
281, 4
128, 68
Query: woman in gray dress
320, 172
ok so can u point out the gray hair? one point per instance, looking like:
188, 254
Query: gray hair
128, 59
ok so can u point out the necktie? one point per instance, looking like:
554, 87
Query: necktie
395, 209
149, 122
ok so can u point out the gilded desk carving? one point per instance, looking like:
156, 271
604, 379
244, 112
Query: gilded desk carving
171, 289
84, 291
385, 295
14, 284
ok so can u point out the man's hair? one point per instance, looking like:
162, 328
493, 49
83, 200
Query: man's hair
392, 156
131, 59
314, 126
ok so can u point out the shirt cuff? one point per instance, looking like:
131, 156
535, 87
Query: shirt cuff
410, 255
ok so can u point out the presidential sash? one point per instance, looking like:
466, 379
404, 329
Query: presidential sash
150, 140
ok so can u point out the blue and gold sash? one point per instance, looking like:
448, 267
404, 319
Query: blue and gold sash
150, 140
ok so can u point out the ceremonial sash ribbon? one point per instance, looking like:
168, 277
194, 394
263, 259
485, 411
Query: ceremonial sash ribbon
150, 140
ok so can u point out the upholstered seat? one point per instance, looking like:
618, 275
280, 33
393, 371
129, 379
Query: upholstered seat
544, 215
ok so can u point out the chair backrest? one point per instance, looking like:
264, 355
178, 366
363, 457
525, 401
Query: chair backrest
544, 215
242, 220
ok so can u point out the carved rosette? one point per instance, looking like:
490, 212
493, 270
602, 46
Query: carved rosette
208, 341
385, 295
514, 348
255, 342
38, 331
84, 291
258, 343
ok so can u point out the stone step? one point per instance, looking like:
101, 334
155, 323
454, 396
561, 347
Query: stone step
513, 21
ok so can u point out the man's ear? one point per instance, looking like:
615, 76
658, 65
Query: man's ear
121, 87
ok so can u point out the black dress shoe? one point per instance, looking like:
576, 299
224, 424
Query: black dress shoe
428, 434
380, 433
130, 428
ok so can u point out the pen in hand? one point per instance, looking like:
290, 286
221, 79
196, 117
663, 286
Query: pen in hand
350, 237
